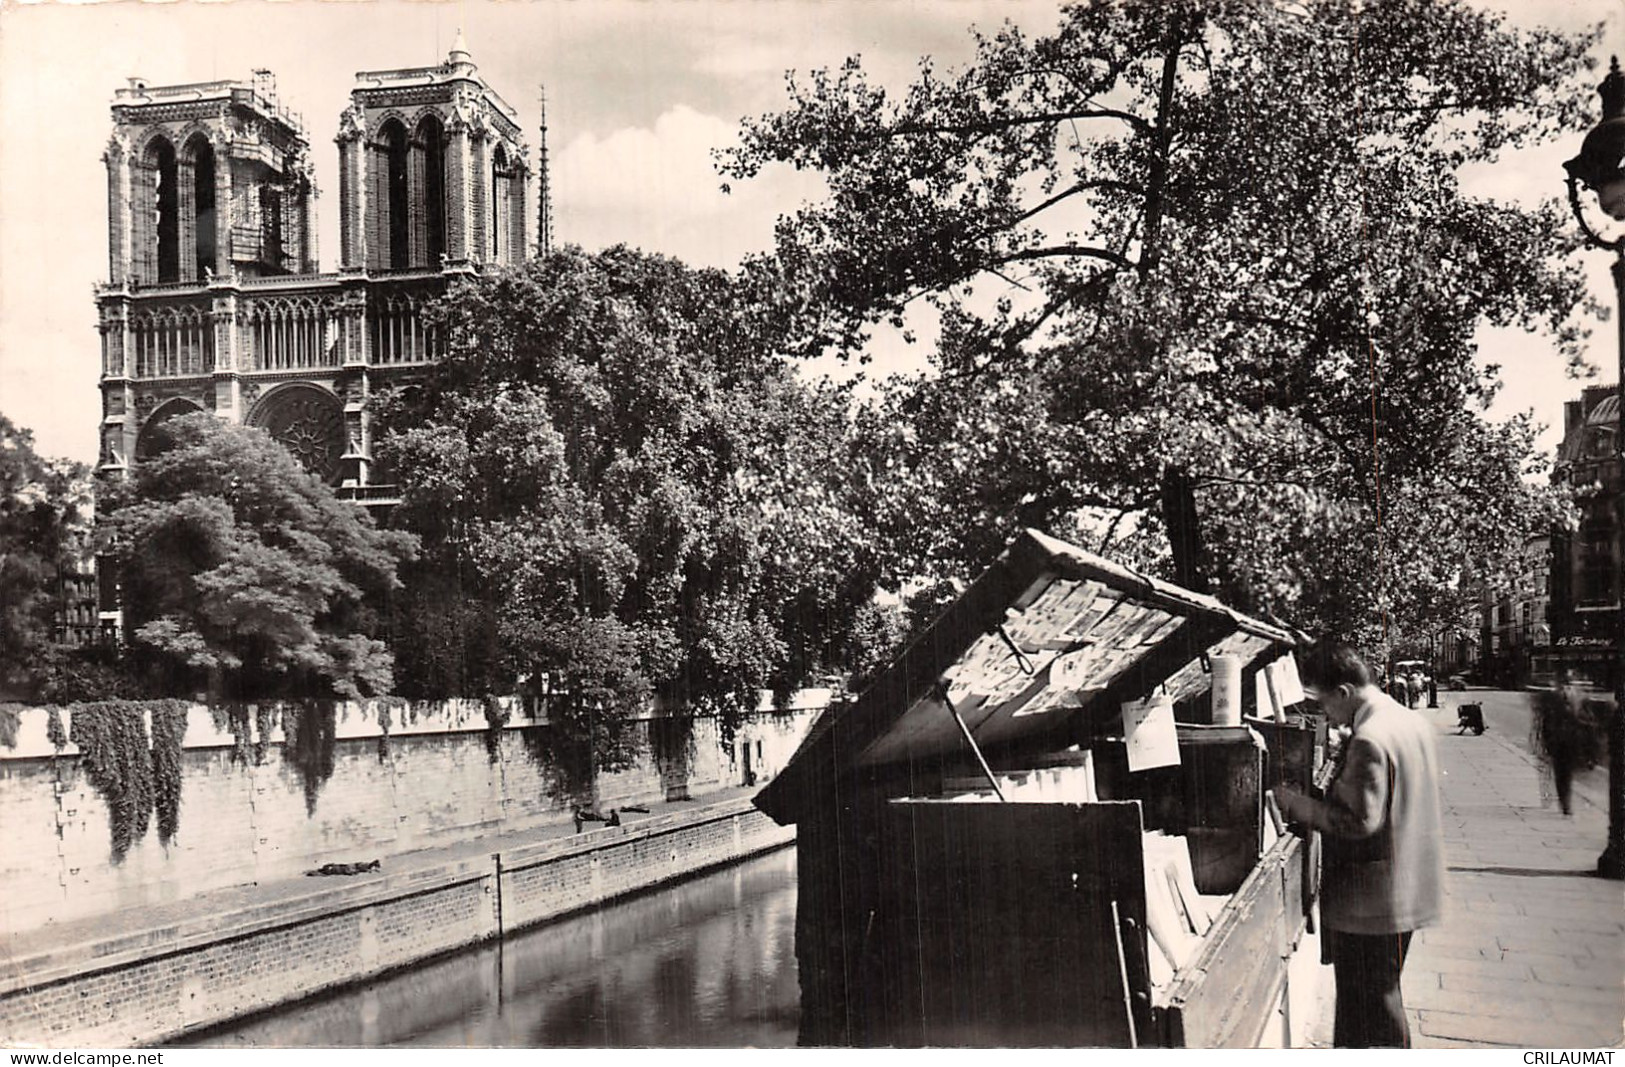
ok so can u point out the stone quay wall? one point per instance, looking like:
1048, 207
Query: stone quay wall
153, 985
254, 810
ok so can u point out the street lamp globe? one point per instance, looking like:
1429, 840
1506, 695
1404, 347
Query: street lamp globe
1600, 166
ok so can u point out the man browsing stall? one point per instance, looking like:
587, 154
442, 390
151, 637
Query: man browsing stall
1383, 868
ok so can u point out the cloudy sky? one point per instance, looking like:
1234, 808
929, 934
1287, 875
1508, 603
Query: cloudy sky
638, 96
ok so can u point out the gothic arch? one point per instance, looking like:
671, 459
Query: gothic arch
148, 138
153, 441
375, 132
194, 129
307, 420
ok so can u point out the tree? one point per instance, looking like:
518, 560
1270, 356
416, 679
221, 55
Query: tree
1208, 286
623, 492
243, 572
44, 516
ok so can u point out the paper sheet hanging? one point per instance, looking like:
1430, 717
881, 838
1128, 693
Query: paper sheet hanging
1291, 685
1226, 694
1150, 734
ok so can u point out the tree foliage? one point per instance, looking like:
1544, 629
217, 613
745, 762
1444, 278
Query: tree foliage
623, 492
1207, 284
244, 573
44, 523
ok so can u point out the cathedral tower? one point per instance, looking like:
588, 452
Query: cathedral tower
205, 180
213, 302
432, 171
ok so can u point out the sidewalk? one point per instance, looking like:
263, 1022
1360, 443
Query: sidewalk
1531, 953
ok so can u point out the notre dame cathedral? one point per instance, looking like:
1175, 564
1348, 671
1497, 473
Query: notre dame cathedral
214, 302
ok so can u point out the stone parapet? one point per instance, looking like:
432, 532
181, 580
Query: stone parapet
374, 780
156, 982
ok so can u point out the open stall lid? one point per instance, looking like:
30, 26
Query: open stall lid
1048, 640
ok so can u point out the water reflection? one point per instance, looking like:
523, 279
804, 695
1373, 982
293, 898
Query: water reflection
709, 962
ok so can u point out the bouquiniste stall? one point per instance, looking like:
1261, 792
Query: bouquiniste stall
1030, 830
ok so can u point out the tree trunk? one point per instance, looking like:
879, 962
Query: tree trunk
1184, 531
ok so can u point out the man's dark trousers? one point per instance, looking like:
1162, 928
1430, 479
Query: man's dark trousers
1370, 1012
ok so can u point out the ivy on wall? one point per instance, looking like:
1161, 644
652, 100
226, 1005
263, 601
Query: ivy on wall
9, 717
566, 762
496, 717
386, 713
309, 728
133, 777
168, 729
671, 742
233, 719
262, 731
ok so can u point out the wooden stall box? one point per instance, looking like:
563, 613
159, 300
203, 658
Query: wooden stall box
1010, 840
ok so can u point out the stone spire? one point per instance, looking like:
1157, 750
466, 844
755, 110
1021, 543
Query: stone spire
544, 189
459, 57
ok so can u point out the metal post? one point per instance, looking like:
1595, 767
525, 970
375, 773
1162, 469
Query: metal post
1434, 655
976, 750
1598, 168
1612, 862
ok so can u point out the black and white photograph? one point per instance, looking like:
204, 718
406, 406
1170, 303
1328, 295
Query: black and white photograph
822, 524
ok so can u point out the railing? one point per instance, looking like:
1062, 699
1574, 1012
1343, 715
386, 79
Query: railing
172, 342
152, 94
397, 332
143, 95
137, 285
282, 281
292, 334
402, 73
370, 494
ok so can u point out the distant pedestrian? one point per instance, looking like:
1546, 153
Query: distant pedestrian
1566, 736
1383, 861
1413, 688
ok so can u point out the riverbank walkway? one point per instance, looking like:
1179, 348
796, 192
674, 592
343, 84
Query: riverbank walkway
1531, 953
66, 938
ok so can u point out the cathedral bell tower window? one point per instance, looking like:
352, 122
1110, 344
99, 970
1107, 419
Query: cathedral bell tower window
203, 178
431, 138
501, 202
400, 252
166, 214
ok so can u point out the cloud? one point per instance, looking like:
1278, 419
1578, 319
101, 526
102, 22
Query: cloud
655, 188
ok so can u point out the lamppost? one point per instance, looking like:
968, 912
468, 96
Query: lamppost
1600, 167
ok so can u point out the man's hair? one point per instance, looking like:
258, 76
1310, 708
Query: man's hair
1329, 664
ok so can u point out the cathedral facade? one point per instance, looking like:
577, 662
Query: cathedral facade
214, 301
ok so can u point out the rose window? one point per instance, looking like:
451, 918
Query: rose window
310, 425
